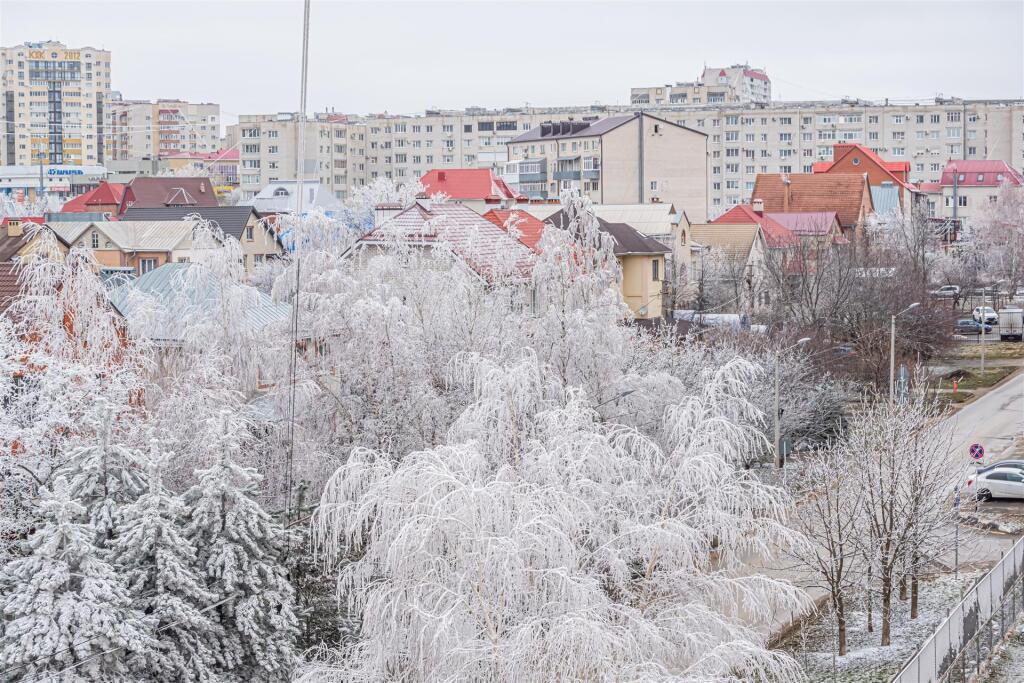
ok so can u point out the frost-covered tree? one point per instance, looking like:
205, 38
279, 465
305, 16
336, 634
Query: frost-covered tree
998, 232
160, 565
68, 613
240, 552
543, 543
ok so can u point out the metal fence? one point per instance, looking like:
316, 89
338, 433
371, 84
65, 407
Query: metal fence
963, 642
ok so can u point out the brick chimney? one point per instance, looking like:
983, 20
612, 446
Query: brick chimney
758, 206
785, 192
14, 228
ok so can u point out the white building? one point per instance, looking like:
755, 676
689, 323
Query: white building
22, 183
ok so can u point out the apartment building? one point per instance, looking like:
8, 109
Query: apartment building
744, 140
967, 186
739, 83
53, 104
136, 129
629, 159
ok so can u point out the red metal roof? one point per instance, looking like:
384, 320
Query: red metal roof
529, 227
841, 149
24, 219
776, 235
105, 194
755, 74
468, 184
980, 173
155, 192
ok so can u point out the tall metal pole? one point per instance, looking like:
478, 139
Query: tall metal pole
892, 360
983, 318
778, 438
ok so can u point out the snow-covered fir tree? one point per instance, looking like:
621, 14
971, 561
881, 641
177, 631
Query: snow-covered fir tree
161, 567
240, 551
68, 613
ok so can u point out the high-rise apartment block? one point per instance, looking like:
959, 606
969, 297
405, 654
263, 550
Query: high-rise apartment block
739, 83
136, 129
53, 104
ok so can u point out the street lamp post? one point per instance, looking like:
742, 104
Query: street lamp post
892, 350
779, 462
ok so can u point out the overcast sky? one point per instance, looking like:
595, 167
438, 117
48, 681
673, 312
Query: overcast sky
406, 57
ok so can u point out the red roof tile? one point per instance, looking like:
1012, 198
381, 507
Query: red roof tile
9, 285
776, 235
980, 173
104, 194
530, 228
468, 184
843, 193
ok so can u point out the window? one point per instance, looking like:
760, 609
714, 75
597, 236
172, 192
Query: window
953, 117
654, 186
146, 265
655, 268
953, 132
95, 240
249, 233
961, 200
786, 121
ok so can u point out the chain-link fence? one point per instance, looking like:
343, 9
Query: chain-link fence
963, 642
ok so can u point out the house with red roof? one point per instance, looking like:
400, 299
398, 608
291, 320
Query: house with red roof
967, 185
105, 198
776, 235
478, 188
155, 192
889, 181
848, 195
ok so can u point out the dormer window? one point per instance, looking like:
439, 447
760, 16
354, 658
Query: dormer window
281, 192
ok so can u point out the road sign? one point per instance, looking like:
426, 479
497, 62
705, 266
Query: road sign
977, 451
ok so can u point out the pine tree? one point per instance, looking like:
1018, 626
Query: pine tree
160, 565
241, 550
104, 478
67, 610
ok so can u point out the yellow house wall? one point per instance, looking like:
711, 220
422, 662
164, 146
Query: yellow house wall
639, 289
262, 242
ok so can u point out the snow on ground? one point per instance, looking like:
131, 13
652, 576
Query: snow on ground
1008, 664
866, 661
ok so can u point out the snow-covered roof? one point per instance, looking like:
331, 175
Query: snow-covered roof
283, 197
129, 235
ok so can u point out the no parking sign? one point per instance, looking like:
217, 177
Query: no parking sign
977, 451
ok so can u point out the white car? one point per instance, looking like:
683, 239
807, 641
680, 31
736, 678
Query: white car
998, 482
986, 314
946, 292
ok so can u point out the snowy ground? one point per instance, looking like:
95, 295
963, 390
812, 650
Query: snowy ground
866, 661
1008, 665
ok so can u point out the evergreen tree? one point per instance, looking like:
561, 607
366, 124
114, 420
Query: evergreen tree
67, 611
241, 551
166, 583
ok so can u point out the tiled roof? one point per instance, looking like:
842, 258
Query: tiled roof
154, 192
530, 227
483, 246
980, 173
808, 224
839, 192
776, 235
628, 240
841, 149
104, 194
9, 285
130, 235
231, 219
467, 184
734, 239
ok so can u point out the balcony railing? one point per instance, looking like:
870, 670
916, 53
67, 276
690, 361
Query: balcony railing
567, 175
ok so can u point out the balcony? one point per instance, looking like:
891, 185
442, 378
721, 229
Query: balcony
567, 175
591, 173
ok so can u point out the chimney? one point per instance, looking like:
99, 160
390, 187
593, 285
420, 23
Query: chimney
385, 212
785, 193
14, 228
202, 187
758, 206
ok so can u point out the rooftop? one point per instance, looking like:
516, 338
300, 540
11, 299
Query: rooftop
159, 191
776, 235
980, 173
628, 240
468, 184
839, 192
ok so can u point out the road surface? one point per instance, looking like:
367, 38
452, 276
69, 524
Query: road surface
994, 420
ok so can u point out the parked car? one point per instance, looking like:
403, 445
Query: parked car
946, 292
966, 326
985, 314
998, 482
1014, 464
1011, 324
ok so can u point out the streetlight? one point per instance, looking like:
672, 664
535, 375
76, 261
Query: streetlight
778, 373
892, 350
984, 319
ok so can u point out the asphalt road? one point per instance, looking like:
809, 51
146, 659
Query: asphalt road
993, 420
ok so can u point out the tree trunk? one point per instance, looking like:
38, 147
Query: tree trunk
913, 596
841, 624
886, 609
903, 587
871, 616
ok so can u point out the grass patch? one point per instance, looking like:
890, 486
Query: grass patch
969, 379
993, 349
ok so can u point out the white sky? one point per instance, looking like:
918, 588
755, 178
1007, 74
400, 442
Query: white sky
406, 57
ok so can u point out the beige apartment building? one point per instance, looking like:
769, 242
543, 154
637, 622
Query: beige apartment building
627, 159
137, 129
744, 140
53, 104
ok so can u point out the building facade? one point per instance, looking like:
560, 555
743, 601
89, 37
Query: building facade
54, 104
739, 83
744, 140
137, 129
